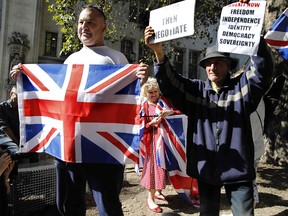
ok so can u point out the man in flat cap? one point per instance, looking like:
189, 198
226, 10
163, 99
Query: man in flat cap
220, 149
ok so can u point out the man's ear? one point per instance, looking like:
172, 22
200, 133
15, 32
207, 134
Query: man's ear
104, 28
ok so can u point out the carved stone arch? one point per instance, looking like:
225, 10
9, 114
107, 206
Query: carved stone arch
18, 50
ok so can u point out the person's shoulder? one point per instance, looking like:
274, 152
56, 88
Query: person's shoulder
107, 48
73, 56
4, 103
110, 49
117, 56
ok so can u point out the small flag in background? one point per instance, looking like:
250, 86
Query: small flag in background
80, 113
277, 36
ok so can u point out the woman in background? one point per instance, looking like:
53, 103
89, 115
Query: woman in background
154, 178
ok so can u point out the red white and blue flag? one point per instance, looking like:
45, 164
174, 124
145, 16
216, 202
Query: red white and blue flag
171, 154
277, 36
173, 131
80, 113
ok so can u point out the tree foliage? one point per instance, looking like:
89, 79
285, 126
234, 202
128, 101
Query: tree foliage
65, 14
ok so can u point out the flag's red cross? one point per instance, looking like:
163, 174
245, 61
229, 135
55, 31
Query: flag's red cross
174, 140
277, 43
172, 136
71, 111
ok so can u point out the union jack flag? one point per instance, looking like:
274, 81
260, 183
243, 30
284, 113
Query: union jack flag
80, 113
277, 36
173, 131
171, 154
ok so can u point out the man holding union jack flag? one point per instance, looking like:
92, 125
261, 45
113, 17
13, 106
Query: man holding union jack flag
73, 170
220, 148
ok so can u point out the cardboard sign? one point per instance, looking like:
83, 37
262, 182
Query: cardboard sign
240, 27
173, 21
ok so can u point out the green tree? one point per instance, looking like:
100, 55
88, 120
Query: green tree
65, 15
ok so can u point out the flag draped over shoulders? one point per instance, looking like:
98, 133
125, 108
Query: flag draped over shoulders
171, 151
277, 36
80, 113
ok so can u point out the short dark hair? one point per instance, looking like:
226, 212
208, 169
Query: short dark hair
95, 8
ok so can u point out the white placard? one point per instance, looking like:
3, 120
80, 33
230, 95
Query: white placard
173, 21
240, 27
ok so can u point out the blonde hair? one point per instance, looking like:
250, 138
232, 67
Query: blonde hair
149, 84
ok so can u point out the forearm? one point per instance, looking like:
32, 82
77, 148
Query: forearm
159, 55
7, 184
264, 62
171, 84
156, 47
11, 134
